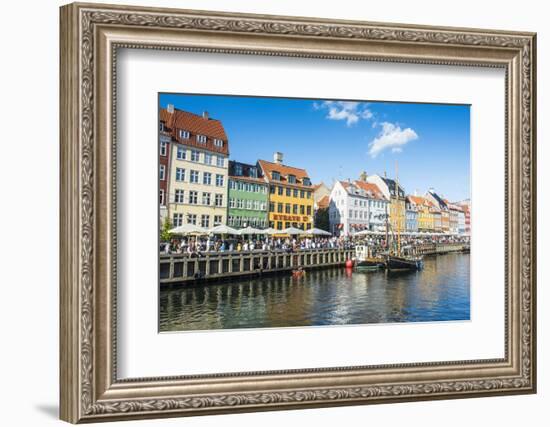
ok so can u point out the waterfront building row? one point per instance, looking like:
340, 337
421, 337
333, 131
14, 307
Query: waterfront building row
199, 184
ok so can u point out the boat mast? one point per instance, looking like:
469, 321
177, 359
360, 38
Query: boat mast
387, 222
397, 210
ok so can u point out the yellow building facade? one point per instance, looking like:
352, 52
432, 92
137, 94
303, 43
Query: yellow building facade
290, 195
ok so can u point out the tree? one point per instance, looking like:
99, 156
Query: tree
165, 234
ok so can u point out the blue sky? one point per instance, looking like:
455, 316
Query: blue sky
338, 139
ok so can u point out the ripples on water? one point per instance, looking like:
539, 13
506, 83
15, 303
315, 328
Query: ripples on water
335, 296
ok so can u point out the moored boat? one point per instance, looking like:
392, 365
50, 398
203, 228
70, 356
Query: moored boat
364, 259
403, 263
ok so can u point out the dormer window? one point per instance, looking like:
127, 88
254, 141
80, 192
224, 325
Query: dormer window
276, 175
306, 181
238, 169
292, 179
218, 142
183, 134
253, 172
162, 126
201, 139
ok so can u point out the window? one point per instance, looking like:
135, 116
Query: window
306, 181
276, 175
163, 149
177, 219
292, 179
194, 178
302, 209
279, 225
253, 172
295, 209
207, 158
201, 139
178, 196
302, 194
205, 221
309, 210
308, 226
195, 155
217, 220
162, 126
219, 180
220, 161
180, 174
238, 169
162, 172
192, 219
271, 207
272, 189
288, 192
287, 208
193, 198
231, 203
180, 154
207, 178
279, 208
249, 204
280, 191
256, 205
183, 134
219, 200
206, 199
287, 224
218, 142
240, 203
295, 193
309, 194
161, 197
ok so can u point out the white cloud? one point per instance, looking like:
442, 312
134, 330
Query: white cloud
393, 137
349, 111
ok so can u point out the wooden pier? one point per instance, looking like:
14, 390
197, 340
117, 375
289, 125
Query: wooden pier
190, 269
183, 268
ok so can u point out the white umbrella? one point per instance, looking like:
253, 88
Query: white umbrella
250, 230
185, 229
223, 229
292, 231
270, 231
364, 233
318, 232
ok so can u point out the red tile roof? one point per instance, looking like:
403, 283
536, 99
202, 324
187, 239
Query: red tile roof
323, 202
195, 125
418, 200
370, 187
284, 171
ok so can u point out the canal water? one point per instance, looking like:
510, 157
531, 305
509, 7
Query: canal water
333, 296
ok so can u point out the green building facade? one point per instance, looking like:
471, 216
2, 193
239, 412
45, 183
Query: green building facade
248, 196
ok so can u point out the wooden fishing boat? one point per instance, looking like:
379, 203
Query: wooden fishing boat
394, 263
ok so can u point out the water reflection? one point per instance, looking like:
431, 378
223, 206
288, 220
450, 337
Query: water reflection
441, 291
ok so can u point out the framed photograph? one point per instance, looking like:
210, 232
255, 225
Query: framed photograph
267, 212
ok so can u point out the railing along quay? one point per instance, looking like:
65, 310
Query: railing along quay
184, 268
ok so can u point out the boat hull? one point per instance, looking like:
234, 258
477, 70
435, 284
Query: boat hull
369, 264
400, 263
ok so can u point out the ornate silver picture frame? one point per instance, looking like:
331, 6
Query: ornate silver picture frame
91, 35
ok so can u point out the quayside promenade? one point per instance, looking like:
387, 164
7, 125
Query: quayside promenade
200, 268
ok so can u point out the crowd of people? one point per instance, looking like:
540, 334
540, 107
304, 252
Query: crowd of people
198, 245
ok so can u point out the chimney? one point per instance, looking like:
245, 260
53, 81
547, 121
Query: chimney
363, 176
205, 115
170, 108
278, 157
